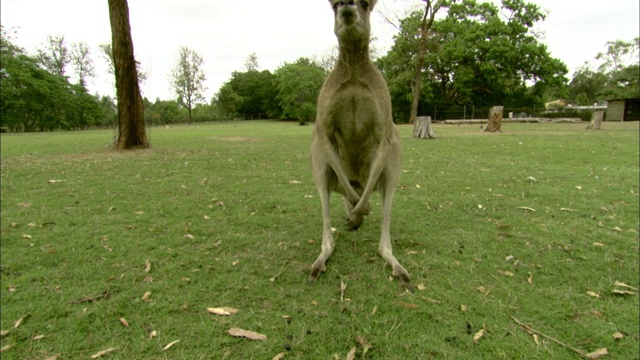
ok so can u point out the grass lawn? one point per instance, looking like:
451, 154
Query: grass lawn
117, 255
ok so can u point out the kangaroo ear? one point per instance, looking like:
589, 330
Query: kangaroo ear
372, 4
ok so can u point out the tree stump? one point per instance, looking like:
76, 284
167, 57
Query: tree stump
495, 119
422, 128
596, 120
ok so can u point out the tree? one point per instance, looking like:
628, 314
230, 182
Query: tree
617, 75
251, 64
586, 86
479, 55
132, 132
54, 55
81, 62
328, 60
250, 94
107, 55
188, 79
298, 87
619, 55
425, 25
229, 100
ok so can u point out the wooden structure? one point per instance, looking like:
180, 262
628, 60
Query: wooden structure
623, 109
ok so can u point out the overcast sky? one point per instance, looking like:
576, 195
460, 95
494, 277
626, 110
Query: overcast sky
224, 33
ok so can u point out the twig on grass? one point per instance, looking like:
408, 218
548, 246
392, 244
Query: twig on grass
532, 331
105, 294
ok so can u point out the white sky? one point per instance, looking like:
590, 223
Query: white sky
225, 32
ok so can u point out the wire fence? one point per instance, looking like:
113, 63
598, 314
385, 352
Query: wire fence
477, 113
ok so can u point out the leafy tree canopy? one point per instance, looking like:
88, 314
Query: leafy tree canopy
249, 94
32, 98
298, 85
479, 54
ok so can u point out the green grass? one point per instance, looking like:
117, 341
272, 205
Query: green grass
227, 215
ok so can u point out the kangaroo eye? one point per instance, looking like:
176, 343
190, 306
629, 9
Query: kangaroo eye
365, 5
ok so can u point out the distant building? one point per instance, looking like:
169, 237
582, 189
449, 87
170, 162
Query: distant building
623, 109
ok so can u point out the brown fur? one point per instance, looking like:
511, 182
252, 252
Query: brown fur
355, 148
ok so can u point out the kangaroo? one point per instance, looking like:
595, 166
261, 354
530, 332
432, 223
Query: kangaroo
355, 148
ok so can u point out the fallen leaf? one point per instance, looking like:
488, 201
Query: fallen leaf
147, 266
314, 303
170, 345
593, 294
375, 309
237, 332
365, 345
4, 333
351, 354
483, 290
598, 353
206, 217
527, 208
153, 334
421, 286
407, 305
5, 348
464, 308
598, 244
103, 353
38, 337
623, 292
19, 321
505, 272
618, 335
189, 236
279, 356
530, 279
146, 296
55, 181
621, 284
138, 212
579, 187
480, 333
124, 322
616, 228
536, 339
226, 311
295, 182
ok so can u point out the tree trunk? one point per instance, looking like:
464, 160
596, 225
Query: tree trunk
422, 128
495, 119
417, 80
132, 133
596, 120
